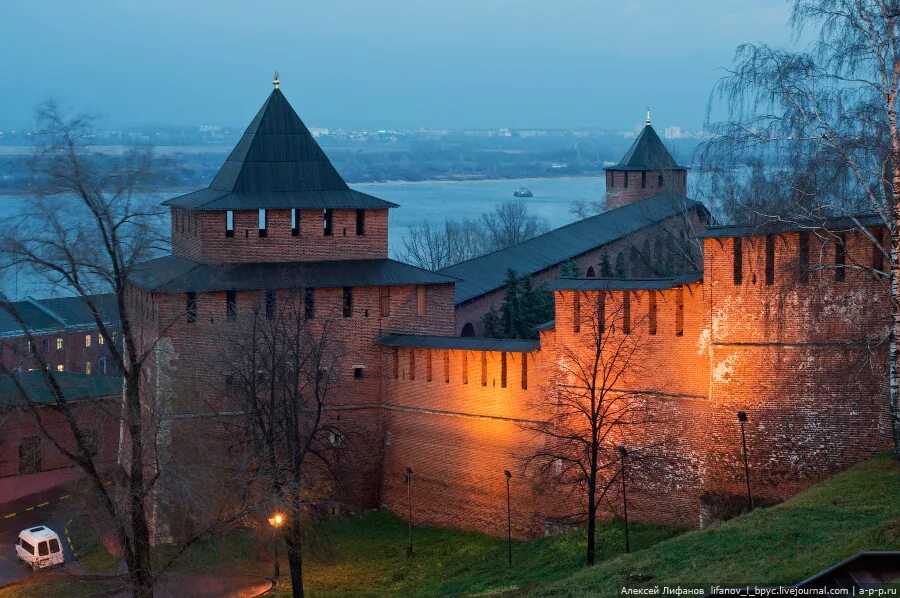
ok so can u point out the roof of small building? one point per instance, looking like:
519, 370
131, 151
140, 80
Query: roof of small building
74, 387
61, 313
487, 273
277, 164
171, 274
625, 284
459, 342
837, 224
647, 153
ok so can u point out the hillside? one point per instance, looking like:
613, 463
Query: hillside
853, 511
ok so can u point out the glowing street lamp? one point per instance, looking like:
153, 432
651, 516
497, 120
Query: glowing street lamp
276, 520
407, 479
742, 417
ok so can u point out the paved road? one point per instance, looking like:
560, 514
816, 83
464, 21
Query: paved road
54, 515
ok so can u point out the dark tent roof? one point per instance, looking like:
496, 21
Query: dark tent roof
63, 313
74, 386
486, 273
172, 274
647, 153
277, 164
625, 284
458, 342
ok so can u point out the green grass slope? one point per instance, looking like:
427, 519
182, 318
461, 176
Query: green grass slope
853, 511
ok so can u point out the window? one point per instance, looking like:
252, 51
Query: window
738, 273
626, 312
770, 260
590, 272
262, 223
295, 223
328, 221
576, 312
87, 367
54, 545
652, 315
191, 308
804, 256
524, 371
643, 179
840, 257
428, 365
605, 270
348, 302
412, 364
229, 223
620, 264
87, 341
30, 454
43, 549
231, 306
465, 368
101, 364
679, 311
660, 181
421, 303
483, 368
446, 367
270, 304
101, 340
45, 345
26, 546
626, 180
503, 369
60, 368
384, 301
335, 438
309, 303
396, 353
611, 179
358, 372
360, 222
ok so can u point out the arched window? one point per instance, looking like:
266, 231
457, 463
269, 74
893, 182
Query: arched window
468, 330
620, 264
590, 272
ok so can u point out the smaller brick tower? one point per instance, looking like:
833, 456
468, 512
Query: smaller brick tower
646, 169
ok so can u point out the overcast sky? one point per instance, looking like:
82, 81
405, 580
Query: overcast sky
378, 63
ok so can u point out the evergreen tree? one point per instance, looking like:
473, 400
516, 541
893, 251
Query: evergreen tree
568, 270
524, 308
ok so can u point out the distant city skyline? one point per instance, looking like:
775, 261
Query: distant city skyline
393, 64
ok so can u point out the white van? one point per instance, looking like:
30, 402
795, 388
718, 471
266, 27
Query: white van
39, 547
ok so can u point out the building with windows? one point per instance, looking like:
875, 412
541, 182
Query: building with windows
770, 322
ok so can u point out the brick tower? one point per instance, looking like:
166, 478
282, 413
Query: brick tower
279, 227
646, 169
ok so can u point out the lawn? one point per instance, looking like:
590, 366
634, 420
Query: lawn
853, 511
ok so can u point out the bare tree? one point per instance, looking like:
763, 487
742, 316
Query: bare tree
283, 375
823, 121
593, 406
434, 246
510, 223
84, 235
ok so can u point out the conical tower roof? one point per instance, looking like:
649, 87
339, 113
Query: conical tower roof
647, 153
277, 164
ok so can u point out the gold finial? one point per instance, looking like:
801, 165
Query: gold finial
276, 80
648, 113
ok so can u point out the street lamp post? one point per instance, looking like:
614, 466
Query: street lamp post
508, 518
623, 452
275, 521
742, 417
407, 479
